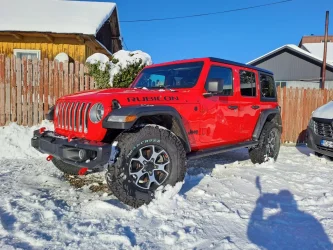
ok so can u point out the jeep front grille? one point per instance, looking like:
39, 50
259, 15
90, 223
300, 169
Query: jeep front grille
323, 127
73, 116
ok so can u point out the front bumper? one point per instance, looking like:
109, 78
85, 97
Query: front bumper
313, 142
97, 153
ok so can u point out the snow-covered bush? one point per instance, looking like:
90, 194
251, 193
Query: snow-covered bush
120, 71
126, 65
99, 67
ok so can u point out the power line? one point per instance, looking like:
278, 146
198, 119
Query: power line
125, 43
204, 14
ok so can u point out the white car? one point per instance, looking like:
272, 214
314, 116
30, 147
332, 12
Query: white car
320, 130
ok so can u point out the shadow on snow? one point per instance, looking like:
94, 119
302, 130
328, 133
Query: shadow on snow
286, 227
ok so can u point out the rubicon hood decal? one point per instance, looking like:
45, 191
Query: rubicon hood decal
152, 98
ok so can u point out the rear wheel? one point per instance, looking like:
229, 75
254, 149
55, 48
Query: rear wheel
269, 144
65, 167
149, 157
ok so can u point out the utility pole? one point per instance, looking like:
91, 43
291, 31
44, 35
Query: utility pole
323, 74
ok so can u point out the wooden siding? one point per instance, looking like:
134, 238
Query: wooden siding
89, 51
48, 50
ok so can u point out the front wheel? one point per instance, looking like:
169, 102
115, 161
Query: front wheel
149, 157
269, 144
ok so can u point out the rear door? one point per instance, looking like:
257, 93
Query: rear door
249, 101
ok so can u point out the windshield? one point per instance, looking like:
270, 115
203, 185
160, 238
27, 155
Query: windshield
183, 75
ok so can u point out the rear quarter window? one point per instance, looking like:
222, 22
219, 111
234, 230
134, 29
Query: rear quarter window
267, 88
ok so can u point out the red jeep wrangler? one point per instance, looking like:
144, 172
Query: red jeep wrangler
172, 112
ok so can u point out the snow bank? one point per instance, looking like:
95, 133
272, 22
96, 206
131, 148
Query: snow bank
121, 60
15, 141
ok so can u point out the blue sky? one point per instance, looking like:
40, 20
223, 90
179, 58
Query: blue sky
239, 36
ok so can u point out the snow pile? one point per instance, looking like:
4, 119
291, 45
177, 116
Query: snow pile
226, 202
15, 141
62, 57
120, 60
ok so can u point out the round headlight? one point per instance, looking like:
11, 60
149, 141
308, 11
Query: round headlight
96, 113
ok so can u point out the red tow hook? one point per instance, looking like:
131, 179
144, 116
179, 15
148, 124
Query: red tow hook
83, 171
41, 130
49, 158
70, 138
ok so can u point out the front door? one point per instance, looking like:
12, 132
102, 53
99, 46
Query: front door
220, 116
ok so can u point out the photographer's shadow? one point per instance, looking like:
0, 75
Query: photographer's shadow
289, 228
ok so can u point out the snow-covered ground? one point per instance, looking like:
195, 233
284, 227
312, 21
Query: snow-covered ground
218, 207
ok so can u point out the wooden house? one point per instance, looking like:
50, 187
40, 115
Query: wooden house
45, 28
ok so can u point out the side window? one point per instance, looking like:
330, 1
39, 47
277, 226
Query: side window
247, 83
267, 86
224, 79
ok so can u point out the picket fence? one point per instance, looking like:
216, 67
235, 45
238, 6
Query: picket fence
28, 88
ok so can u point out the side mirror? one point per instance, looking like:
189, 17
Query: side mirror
213, 86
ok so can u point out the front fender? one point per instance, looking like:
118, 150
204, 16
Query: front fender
118, 119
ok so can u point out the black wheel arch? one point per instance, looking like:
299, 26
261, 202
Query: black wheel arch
268, 115
165, 116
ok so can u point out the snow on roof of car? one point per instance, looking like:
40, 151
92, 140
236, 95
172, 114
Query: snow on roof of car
293, 48
55, 16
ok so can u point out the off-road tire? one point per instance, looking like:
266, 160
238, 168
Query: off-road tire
118, 176
259, 153
65, 167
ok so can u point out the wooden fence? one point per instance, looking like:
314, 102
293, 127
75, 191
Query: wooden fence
297, 105
29, 87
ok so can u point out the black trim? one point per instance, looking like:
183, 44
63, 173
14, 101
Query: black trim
50, 114
221, 149
262, 120
323, 120
141, 111
59, 147
214, 59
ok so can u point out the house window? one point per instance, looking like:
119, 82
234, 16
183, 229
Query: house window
28, 53
247, 83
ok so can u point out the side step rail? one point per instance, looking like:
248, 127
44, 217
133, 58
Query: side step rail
218, 150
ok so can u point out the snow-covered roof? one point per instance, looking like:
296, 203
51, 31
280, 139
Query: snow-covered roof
295, 49
317, 49
55, 16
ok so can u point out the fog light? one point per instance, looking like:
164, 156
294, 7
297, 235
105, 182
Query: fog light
82, 154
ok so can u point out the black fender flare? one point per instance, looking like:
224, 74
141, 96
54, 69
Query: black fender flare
267, 115
116, 119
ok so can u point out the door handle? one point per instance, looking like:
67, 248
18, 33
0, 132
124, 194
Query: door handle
232, 107
255, 107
